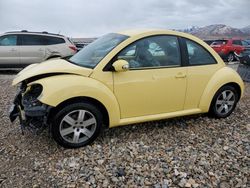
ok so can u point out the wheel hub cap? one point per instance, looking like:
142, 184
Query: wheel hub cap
225, 102
77, 126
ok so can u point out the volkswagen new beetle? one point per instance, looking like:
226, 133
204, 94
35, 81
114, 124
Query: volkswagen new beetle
124, 78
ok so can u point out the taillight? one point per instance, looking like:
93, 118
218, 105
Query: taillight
73, 48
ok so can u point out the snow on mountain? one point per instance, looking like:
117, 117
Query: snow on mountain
218, 31
246, 29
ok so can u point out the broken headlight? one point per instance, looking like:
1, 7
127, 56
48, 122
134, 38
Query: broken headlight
31, 95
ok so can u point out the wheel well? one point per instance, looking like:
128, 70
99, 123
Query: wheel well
53, 56
90, 100
233, 84
236, 86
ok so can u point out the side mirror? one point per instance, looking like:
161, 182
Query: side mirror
121, 65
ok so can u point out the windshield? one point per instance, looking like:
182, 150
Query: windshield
92, 54
219, 42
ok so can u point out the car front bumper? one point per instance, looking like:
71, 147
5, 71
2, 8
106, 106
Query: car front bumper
29, 116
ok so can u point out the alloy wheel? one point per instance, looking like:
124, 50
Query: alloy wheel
225, 102
78, 126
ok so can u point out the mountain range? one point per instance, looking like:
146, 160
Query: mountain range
217, 31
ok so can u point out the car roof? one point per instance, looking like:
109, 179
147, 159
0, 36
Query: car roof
134, 32
45, 33
145, 32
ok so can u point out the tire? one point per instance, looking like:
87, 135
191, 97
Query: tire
224, 102
230, 57
76, 125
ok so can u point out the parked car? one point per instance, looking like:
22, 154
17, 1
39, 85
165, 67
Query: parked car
80, 46
248, 41
227, 47
125, 78
209, 42
244, 56
21, 48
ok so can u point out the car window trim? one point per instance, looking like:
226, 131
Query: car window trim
109, 68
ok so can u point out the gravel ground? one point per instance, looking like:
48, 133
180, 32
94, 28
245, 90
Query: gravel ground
185, 152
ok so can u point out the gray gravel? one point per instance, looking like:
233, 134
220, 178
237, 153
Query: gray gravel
185, 152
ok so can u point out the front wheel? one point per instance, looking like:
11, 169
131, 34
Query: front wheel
224, 101
77, 125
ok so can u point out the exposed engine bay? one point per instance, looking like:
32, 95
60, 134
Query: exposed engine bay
31, 112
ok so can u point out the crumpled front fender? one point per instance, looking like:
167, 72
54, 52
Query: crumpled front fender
57, 89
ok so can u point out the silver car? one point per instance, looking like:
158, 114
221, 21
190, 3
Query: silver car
21, 48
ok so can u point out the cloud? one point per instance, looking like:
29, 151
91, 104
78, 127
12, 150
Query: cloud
82, 18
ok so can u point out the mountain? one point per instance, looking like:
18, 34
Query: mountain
246, 29
217, 31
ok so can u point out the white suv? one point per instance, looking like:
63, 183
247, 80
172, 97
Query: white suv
21, 48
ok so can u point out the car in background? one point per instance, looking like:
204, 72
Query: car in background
227, 48
244, 56
248, 41
125, 78
80, 46
21, 48
209, 42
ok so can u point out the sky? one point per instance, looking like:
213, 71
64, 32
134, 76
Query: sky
92, 18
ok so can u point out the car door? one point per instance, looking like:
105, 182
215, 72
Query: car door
237, 45
31, 49
155, 82
9, 50
201, 66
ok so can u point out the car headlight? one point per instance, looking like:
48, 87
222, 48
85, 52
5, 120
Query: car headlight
31, 95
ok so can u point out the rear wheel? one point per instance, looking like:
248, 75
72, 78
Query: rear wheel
224, 101
77, 125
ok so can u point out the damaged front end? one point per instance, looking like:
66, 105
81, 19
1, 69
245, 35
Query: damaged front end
30, 111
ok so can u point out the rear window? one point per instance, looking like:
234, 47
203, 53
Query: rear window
49, 40
237, 42
70, 41
219, 42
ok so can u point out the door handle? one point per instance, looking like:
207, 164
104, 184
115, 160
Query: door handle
180, 75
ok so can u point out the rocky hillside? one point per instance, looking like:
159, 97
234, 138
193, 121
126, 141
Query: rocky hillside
246, 29
218, 31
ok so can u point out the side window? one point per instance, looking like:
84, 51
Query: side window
8, 40
245, 43
31, 40
155, 51
48, 40
198, 55
237, 42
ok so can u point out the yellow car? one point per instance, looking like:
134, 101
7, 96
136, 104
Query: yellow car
123, 78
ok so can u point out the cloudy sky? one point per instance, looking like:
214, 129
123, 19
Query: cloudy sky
90, 18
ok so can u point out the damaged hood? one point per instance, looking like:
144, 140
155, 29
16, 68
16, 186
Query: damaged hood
51, 67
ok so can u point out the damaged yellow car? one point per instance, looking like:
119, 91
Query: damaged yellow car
124, 78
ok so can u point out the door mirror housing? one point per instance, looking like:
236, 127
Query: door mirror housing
121, 65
